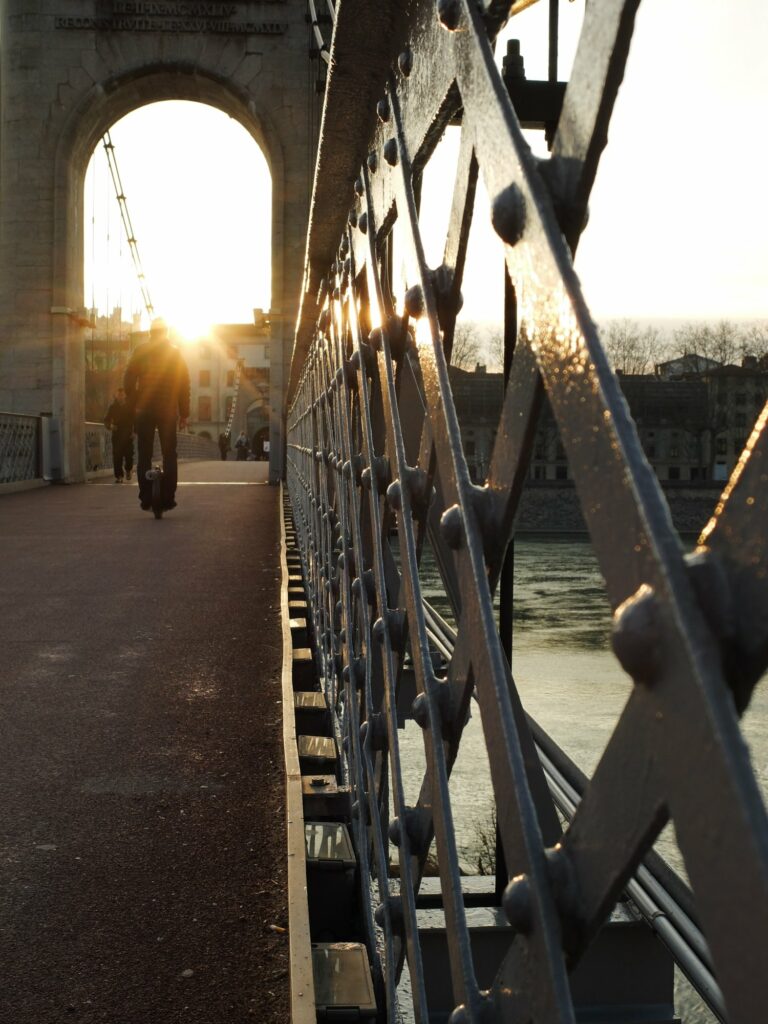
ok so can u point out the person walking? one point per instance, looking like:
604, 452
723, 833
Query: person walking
242, 447
223, 446
119, 420
157, 389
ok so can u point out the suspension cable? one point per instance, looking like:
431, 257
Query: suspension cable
109, 148
238, 376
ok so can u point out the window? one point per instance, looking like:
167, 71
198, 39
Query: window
561, 472
650, 449
674, 473
740, 398
204, 407
721, 445
539, 472
205, 378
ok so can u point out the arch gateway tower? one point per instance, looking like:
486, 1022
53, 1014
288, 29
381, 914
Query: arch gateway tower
68, 70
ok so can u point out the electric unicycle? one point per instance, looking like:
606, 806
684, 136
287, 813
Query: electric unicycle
156, 476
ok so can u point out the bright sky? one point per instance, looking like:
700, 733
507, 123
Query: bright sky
678, 220
198, 192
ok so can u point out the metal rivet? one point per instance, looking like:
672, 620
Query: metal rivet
352, 217
449, 14
359, 186
508, 214
414, 301
517, 904
395, 495
373, 162
395, 832
405, 62
636, 635
452, 525
420, 710
390, 152
362, 222
382, 110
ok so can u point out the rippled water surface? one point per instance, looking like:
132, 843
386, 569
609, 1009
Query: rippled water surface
569, 681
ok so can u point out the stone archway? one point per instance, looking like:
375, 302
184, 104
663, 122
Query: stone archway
88, 80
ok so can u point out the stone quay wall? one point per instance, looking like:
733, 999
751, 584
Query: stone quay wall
555, 508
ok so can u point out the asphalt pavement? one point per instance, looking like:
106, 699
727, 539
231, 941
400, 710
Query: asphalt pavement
142, 832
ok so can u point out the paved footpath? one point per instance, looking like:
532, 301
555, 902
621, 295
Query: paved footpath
141, 772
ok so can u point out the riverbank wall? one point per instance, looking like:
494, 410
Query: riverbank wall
550, 507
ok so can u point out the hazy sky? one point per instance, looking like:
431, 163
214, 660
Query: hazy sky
678, 219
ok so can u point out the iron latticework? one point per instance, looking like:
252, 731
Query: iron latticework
19, 448
375, 447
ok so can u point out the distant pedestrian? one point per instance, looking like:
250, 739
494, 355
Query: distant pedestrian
242, 447
224, 446
157, 386
119, 420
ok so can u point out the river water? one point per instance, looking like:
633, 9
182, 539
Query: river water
569, 681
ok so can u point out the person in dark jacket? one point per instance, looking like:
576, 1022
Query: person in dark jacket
119, 420
157, 386
224, 446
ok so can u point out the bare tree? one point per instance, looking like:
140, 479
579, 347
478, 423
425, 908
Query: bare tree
723, 342
496, 350
465, 346
756, 340
630, 348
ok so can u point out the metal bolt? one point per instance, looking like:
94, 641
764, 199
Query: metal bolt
449, 14
405, 62
636, 636
420, 710
414, 301
395, 495
390, 152
508, 214
359, 188
395, 832
452, 525
352, 217
362, 222
373, 162
382, 110
517, 904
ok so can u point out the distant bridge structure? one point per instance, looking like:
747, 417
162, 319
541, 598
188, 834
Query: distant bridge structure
66, 76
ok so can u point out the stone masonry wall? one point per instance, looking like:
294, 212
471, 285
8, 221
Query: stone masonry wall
556, 509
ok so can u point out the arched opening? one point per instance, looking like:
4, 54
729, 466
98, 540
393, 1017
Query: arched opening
177, 219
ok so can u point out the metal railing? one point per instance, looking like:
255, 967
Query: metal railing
19, 448
375, 447
98, 447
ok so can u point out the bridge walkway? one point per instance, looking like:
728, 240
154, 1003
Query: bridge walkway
142, 838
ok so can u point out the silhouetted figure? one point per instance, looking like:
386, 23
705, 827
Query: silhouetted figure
242, 447
119, 420
157, 386
224, 446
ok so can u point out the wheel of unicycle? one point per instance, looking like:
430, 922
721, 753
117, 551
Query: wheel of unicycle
156, 476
